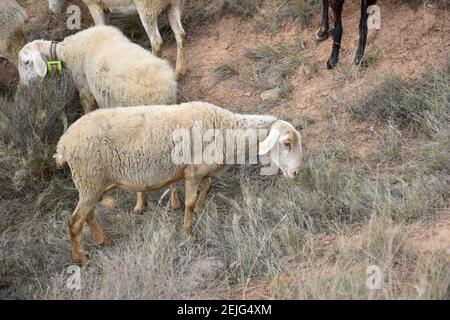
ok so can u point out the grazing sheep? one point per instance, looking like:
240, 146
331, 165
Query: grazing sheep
132, 149
12, 35
324, 32
109, 70
148, 10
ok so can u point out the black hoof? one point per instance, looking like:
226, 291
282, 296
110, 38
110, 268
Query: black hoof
322, 35
331, 65
358, 60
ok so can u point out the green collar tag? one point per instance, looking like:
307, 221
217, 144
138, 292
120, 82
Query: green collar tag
58, 65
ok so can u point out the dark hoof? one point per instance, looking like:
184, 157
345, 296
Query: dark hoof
331, 65
82, 258
106, 242
322, 35
358, 60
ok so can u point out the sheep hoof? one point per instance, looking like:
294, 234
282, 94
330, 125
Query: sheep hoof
80, 257
175, 205
138, 210
180, 73
322, 35
157, 52
108, 203
106, 242
200, 204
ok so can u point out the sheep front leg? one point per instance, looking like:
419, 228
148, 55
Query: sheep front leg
140, 203
97, 13
87, 101
191, 186
174, 14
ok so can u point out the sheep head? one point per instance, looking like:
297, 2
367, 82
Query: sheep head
285, 146
32, 65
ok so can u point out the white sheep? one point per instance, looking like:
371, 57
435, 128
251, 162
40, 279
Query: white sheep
109, 70
12, 30
148, 10
133, 149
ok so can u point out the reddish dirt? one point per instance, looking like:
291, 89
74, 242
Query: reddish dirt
409, 41
433, 236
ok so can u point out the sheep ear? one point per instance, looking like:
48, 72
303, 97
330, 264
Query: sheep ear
39, 64
268, 143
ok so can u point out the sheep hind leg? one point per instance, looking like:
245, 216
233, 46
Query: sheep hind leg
97, 232
191, 187
206, 186
76, 223
87, 101
174, 13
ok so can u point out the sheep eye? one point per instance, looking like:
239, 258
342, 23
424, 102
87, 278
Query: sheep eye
288, 145
27, 62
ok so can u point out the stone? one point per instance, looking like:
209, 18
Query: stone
271, 95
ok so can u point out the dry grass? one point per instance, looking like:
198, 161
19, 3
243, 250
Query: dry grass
274, 15
225, 71
245, 230
273, 65
344, 270
420, 107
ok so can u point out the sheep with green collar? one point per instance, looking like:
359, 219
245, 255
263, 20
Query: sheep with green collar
109, 71
12, 25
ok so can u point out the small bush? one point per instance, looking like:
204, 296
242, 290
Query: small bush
421, 106
274, 65
199, 12
34, 124
243, 7
275, 14
225, 71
